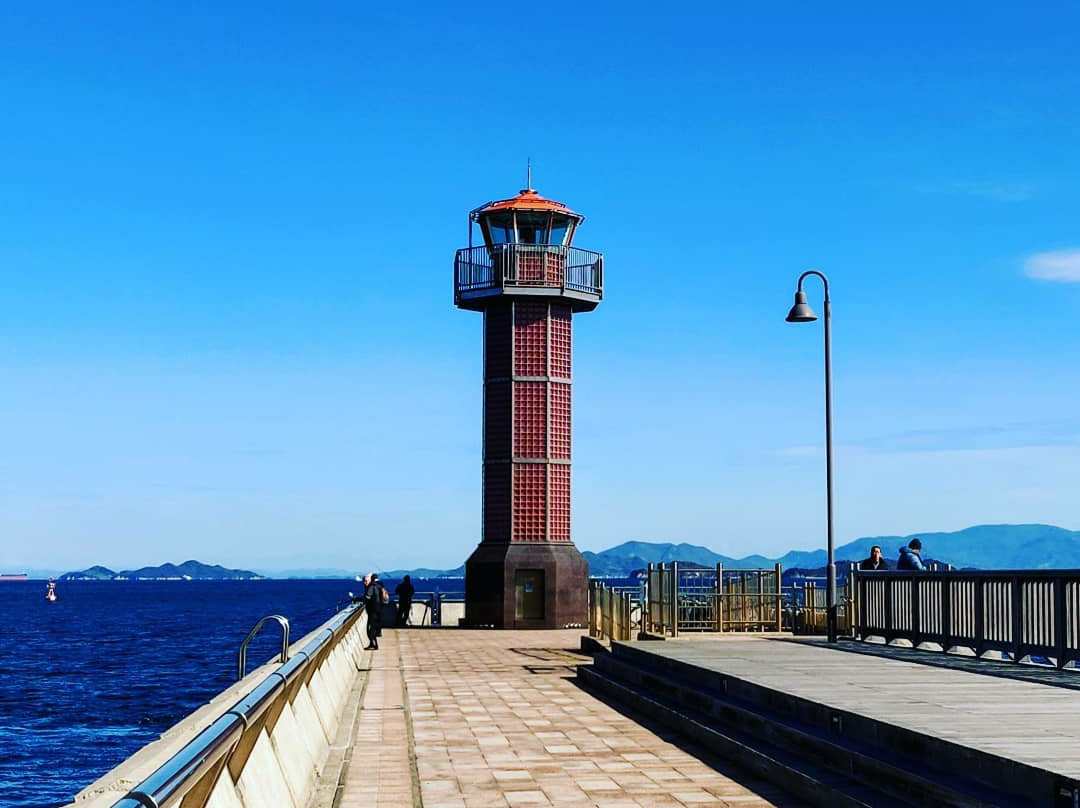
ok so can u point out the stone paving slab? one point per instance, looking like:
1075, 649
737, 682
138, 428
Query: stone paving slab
380, 771
497, 722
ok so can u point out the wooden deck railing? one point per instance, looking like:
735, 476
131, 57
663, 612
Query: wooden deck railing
1024, 614
614, 613
696, 599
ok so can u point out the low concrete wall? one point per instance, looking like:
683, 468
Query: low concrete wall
453, 613
278, 758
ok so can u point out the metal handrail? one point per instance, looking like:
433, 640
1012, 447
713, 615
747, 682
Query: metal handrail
241, 657
528, 265
168, 784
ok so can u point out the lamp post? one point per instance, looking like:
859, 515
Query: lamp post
802, 313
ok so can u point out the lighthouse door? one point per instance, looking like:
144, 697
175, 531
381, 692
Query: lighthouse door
529, 594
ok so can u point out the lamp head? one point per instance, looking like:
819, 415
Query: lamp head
801, 311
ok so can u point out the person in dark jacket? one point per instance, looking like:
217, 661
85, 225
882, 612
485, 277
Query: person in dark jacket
404, 591
876, 561
375, 595
910, 557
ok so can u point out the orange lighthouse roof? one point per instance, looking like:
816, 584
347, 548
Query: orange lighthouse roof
527, 199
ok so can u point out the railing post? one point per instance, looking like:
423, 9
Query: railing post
1059, 621
661, 600
718, 600
674, 598
1016, 606
979, 597
759, 602
888, 628
646, 611
779, 598
743, 611
592, 608
609, 613
946, 614
849, 591
916, 613
860, 605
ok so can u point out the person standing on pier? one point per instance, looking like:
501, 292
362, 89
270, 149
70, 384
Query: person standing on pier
404, 591
375, 595
911, 557
876, 561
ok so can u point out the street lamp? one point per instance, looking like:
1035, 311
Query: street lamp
802, 313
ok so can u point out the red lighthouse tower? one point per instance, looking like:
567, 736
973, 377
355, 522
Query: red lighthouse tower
528, 280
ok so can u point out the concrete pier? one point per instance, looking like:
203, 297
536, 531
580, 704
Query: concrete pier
493, 719
454, 718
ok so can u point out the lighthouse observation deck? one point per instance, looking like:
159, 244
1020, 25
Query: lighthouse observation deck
548, 270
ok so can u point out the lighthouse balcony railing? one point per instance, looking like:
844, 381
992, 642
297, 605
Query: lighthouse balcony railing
528, 265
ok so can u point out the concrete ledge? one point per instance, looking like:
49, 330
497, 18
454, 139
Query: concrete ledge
592, 645
331, 781
113, 785
944, 758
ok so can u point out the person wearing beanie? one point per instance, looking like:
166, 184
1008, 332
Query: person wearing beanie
911, 557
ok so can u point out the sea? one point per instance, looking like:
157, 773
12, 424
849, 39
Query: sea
88, 680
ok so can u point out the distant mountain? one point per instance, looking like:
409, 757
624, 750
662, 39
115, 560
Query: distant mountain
982, 547
985, 547
424, 572
188, 571
623, 559
95, 573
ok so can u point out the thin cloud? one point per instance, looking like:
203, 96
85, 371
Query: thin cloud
1062, 266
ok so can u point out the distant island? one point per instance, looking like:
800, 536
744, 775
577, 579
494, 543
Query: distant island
187, 571
985, 547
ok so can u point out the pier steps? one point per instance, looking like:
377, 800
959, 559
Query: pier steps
825, 756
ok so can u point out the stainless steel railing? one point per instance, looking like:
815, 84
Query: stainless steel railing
434, 606
528, 265
228, 741
1023, 613
241, 655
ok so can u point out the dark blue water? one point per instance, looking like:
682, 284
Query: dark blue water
88, 680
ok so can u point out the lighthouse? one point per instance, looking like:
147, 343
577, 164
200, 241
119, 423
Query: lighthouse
528, 280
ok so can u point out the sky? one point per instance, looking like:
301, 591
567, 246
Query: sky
226, 242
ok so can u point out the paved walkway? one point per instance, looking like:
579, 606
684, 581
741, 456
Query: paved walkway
380, 772
1037, 724
496, 721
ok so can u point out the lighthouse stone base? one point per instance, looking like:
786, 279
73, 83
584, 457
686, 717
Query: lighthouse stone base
526, 585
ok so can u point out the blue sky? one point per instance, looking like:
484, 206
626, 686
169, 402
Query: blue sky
226, 234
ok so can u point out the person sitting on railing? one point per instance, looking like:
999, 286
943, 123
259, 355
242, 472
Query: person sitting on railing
911, 557
876, 561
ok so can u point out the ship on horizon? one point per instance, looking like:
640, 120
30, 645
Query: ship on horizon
14, 576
